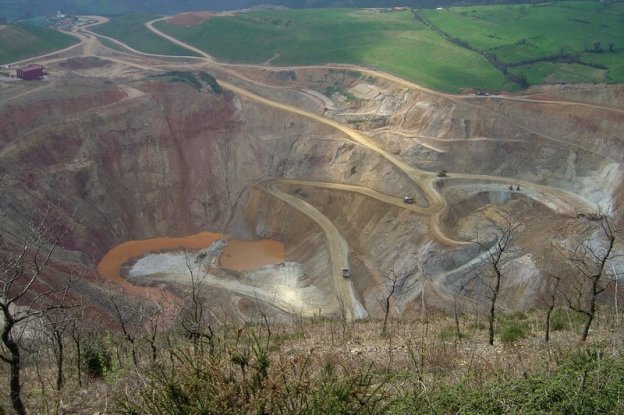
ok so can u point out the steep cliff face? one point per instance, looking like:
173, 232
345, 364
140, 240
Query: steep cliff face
124, 168
168, 161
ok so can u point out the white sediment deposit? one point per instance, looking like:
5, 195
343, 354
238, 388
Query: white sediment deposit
283, 285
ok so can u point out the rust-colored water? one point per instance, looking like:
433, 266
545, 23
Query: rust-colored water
245, 255
238, 255
110, 265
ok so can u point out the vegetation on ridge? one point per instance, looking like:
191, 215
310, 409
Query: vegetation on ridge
323, 366
131, 30
190, 79
446, 49
22, 41
393, 42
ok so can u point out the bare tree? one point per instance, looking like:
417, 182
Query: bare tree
24, 294
550, 300
192, 313
493, 258
154, 326
590, 259
57, 323
76, 335
392, 279
130, 317
457, 309
343, 314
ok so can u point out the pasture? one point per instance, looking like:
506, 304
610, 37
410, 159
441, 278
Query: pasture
498, 47
131, 30
22, 41
393, 42
554, 42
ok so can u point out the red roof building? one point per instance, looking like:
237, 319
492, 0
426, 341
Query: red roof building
30, 72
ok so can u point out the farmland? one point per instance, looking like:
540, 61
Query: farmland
551, 43
392, 42
132, 31
501, 47
22, 41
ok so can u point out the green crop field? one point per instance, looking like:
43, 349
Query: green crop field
553, 42
447, 49
393, 42
131, 30
23, 41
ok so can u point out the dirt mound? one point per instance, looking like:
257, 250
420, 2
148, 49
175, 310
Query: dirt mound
190, 19
87, 62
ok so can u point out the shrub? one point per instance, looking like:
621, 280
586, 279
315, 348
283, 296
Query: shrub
585, 383
564, 319
211, 81
449, 332
558, 320
513, 327
98, 360
512, 331
243, 378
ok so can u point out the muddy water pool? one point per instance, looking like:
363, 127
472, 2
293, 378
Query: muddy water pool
238, 256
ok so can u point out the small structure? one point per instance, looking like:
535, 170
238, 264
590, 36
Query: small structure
346, 273
30, 72
442, 173
408, 199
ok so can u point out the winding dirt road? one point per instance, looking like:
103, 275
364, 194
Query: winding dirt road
338, 251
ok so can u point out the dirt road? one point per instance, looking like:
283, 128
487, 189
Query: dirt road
338, 251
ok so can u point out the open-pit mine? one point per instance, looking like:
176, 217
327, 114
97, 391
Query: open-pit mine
299, 191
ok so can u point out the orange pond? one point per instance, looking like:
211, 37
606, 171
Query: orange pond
238, 256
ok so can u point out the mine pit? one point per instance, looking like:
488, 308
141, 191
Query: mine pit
297, 195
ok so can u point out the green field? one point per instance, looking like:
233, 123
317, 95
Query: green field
577, 41
23, 41
451, 49
393, 42
131, 30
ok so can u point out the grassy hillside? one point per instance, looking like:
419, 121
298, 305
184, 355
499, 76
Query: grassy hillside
20, 9
132, 31
326, 366
559, 42
554, 42
488, 47
393, 42
22, 41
